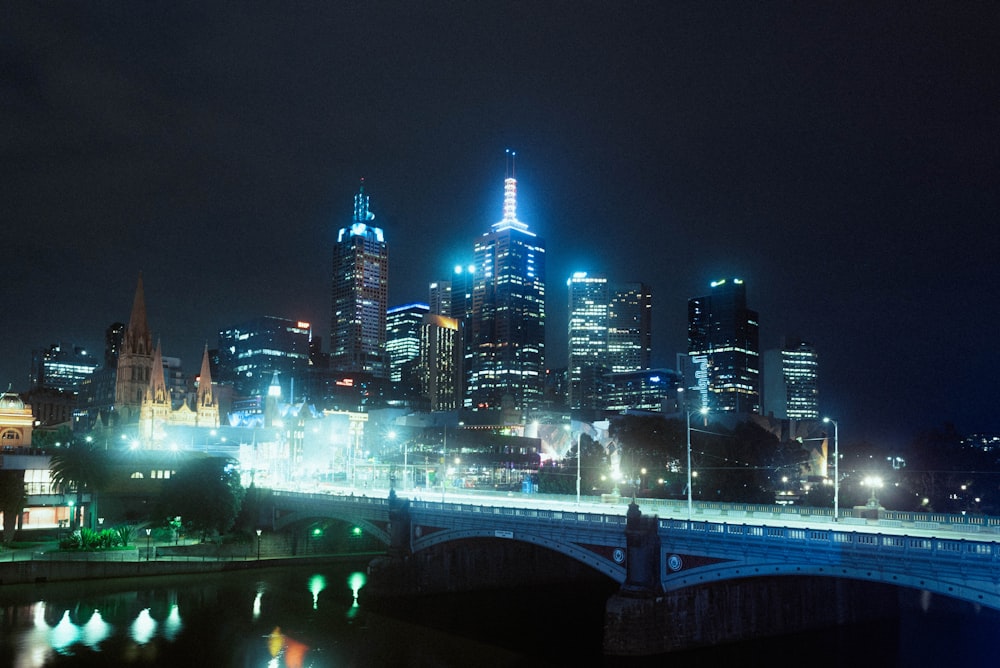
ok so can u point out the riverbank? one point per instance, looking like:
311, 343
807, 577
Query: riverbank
44, 562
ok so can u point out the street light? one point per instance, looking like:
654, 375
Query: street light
568, 429
836, 469
874, 482
148, 531
703, 411
258, 544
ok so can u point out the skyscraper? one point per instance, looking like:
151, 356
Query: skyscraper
507, 325
723, 330
439, 298
588, 339
402, 342
630, 336
251, 352
359, 294
61, 368
790, 381
441, 362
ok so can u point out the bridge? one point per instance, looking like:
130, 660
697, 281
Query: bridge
662, 559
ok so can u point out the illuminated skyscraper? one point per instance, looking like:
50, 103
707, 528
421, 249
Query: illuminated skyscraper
359, 294
723, 330
439, 298
441, 362
507, 324
588, 339
630, 336
62, 368
253, 353
402, 341
790, 381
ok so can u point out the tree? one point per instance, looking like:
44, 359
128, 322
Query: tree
12, 501
206, 492
80, 468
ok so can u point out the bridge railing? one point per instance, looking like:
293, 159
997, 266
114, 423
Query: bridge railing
933, 548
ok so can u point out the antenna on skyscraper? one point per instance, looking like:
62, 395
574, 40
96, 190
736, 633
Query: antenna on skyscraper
511, 155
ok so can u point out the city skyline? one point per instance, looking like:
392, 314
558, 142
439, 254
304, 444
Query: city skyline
840, 160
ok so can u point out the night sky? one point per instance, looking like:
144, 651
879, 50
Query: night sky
841, 158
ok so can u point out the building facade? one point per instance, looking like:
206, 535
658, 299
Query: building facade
359, 294
507, 323
723, 331
251, 352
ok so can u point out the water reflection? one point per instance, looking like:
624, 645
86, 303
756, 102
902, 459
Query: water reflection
271, 618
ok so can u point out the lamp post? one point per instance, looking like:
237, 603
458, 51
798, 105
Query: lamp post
148, 532
444, 460
703, 411
258, 544
836, 469
579, 458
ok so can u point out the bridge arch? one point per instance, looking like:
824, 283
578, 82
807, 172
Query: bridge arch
572, 550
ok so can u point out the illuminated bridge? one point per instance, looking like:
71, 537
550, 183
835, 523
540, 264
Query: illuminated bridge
662, 560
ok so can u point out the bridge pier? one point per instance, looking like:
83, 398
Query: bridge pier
390, 573
642, 620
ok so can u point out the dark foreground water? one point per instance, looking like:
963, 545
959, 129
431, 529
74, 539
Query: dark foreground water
306, 616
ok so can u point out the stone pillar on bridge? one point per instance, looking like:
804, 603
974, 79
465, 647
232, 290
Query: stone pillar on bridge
631, 616
390, 575
642, 555
399, 527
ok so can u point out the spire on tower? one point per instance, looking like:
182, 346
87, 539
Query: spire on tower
361, 212
510, 199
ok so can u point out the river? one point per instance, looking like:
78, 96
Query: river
296, 617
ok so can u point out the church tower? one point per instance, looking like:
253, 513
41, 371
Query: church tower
135, 362
156, 405
207, 406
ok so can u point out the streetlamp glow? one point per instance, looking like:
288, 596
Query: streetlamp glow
258, 544
836, 468
148, 532
703, 411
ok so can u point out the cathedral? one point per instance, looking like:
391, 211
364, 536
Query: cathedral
142, 397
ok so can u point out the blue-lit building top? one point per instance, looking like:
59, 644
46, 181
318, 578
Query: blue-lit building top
359, 295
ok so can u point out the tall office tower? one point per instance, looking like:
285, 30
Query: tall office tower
630, 327
588, 339
790, 381
462, 286
135, 362
441, 359
359, 294
723, 330
402, 340
251, 353
61, 368
439, 298
507, 326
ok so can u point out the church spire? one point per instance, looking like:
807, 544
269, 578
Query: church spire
157, 392
205, 397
